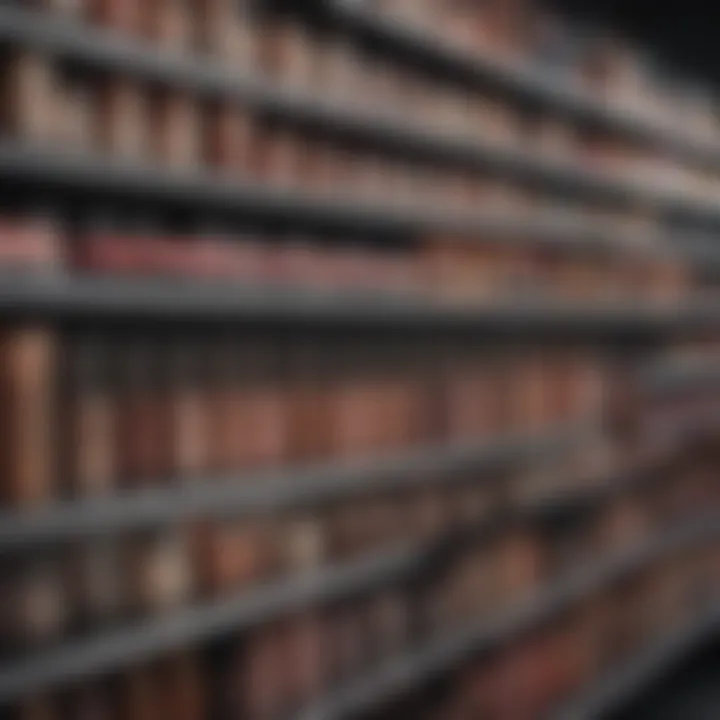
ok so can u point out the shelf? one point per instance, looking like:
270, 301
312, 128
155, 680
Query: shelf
517, 80
74, 176
622, 684
205, 497
413, 669
202, 75
153, 636
82, 298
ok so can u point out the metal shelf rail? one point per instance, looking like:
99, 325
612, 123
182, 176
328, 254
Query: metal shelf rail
76, 176
71, 521
77, 297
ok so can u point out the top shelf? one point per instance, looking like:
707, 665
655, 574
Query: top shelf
519, 81
207, 78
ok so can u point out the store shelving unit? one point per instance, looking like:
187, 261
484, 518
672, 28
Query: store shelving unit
625, 328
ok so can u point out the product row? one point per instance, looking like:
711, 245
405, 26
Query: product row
81, 589
455, 269
53, 103
526, 36
90, 413
278, 667
269, 42
535, 674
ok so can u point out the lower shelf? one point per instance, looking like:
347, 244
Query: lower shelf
621, 685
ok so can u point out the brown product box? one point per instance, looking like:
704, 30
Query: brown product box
259, 688
122, 15
138, 695
260, 402
90, 420
27, 399
390, 623
229, 135
344, 531
355, 402
169, 23
35, 608
337, 71
188, 420
29, 94
219, 404
143, 423
75, 100
277, 155
305, 650
175, 129
623, 407
470, 397
159, 573
285, 50
430, 512
180, 687
309, 403
623, 524
521, 564
94, 579
229, 29
123, 118
231, 554
315, 164
347, 641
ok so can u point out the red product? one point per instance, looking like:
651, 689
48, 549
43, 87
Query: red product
30, 242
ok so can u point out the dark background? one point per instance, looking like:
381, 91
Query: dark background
682, 34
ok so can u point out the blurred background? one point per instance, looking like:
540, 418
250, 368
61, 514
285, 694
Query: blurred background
358, 359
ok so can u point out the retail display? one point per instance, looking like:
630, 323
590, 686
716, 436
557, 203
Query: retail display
352, 363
